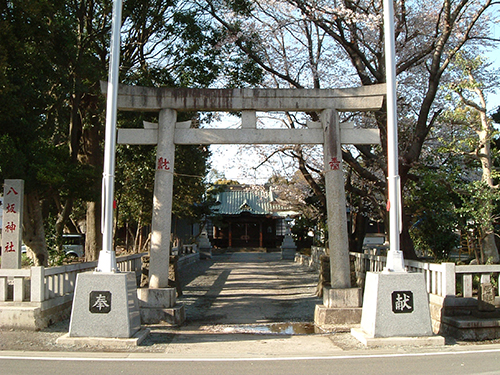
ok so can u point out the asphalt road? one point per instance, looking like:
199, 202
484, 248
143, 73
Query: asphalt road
432, 362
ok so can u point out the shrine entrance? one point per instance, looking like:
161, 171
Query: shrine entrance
246, 232
328, 131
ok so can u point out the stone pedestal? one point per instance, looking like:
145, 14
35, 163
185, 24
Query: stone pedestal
340, 307
159, 306
395, 305
486, 298
288, 248
205, 246
105, 305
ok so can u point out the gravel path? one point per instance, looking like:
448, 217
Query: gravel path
248, 288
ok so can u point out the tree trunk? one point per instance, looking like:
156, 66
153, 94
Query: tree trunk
93, 238
406, 242
62, 218
33, 229
357, 237
63, 215
489, 249
138, 236
90, 153
488, 245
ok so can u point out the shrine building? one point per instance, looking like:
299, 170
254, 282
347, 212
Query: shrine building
248, 216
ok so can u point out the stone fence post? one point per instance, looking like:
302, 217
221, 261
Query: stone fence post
37, 284
448, 281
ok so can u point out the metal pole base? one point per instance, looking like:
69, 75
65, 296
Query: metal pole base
107, 262
395, 261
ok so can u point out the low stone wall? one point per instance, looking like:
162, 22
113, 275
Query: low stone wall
313, 262
35, 315
303, 259
457, 306
188, 259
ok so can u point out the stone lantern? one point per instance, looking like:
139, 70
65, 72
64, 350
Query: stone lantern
288, 246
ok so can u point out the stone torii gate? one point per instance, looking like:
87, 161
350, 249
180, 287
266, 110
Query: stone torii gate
168, 132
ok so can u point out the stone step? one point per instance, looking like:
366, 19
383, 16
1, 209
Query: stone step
471, 328
464, 322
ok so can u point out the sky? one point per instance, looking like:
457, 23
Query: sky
494, 57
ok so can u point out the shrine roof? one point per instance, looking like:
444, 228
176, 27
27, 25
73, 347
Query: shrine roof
255, 200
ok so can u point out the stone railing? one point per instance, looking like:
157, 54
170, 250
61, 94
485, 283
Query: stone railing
457, 283
39, 284
38, 297
313, 261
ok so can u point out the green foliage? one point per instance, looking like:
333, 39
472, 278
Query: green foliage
478, 175
190, 57
479, 203
134, 183
26, 72
189, 184
12, 160
52, 56
462, 138
241, 7
224, 181
241, 69
301, 229
54, 243
435, 223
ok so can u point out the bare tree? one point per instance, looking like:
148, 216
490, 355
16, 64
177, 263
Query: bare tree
324, 44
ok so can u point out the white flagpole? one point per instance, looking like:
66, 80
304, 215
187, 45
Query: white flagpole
395, 261
107, 257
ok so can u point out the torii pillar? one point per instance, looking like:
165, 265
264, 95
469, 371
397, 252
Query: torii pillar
158, 302
341, 303
336, 205
162, 200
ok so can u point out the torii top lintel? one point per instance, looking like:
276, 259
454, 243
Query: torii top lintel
151, 99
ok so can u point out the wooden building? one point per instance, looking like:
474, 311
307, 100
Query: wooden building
248, 216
